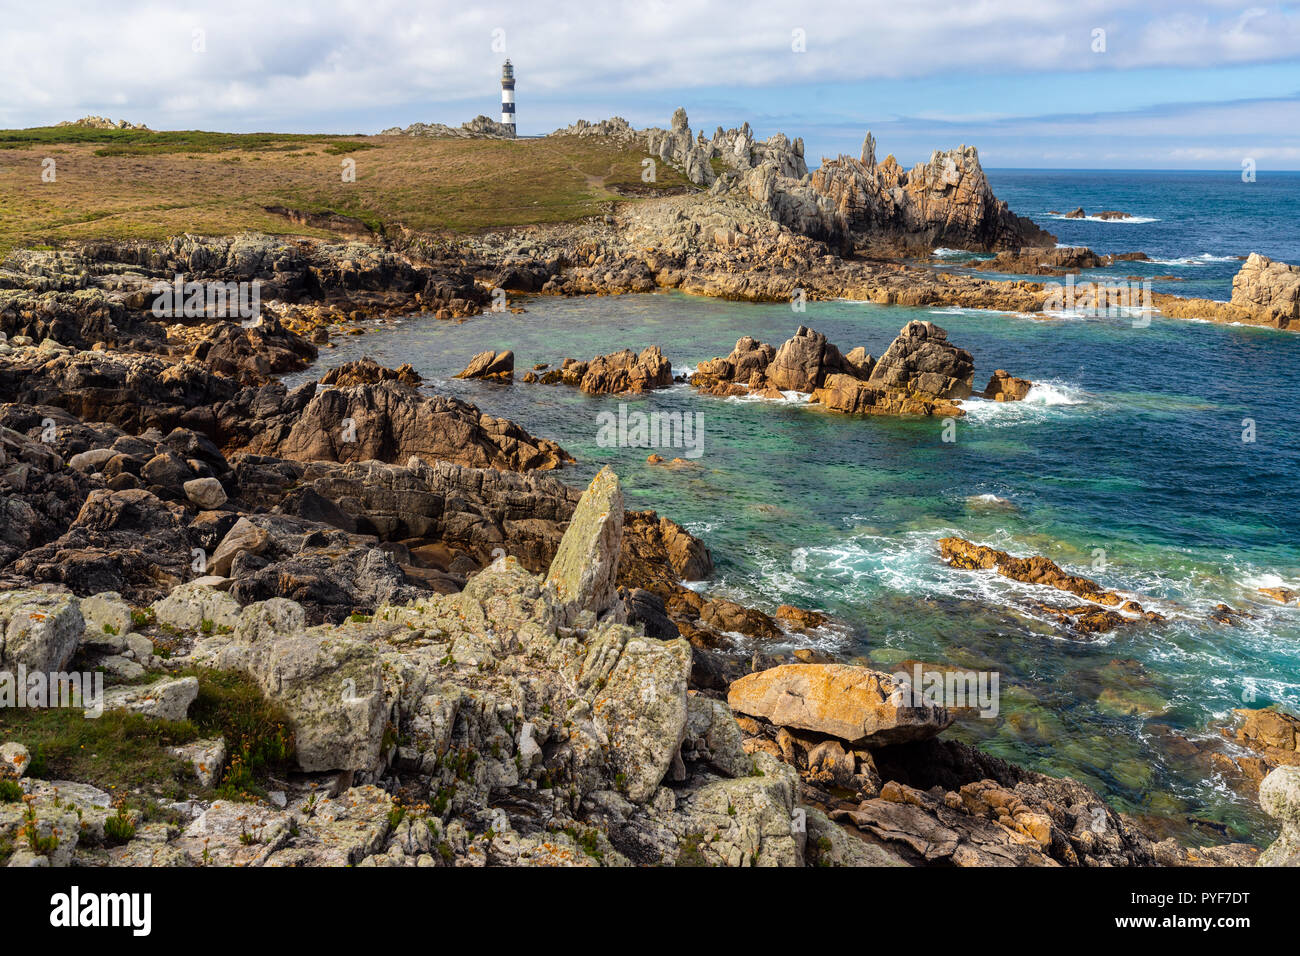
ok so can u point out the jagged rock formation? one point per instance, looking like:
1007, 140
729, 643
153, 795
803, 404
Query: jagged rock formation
1269, 289
734, 150
613, 374
921, 373
101, 122
366, 371
945, 202
389, 422
1272, 738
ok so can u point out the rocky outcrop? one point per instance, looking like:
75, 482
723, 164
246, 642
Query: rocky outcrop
921, 373
1005, 387
1079, 213
391, 422
497, 365
1268, 289
922, 360
883, 207
617, 373
1270, 735
480, 127
366, 371
1107, 610
803, 362
127, 541
251, 355
586, 562
1264, 292
944, 803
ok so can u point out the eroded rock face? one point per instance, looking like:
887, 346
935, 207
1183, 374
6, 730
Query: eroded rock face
803, 362
854, 704
922, 360
366, 371
921, 373
613, 374
130, 542
945, 803
252, 354
1272, 734
945, 202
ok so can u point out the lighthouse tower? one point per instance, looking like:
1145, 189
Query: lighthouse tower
508, 96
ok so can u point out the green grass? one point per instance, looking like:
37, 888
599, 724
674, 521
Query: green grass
122, 142
143, 184
257, 733
122, 752
116, 752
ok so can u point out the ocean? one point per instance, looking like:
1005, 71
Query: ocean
1158, 460
1195, 225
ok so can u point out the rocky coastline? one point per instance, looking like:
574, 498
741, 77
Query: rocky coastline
469, 661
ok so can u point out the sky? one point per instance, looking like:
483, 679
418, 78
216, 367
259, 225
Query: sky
1197, 84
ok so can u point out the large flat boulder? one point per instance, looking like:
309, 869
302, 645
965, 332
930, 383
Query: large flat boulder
855, 704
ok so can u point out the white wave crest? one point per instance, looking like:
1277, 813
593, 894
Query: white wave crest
1204, 258
1130, 221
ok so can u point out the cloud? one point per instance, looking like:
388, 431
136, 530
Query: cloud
352, 65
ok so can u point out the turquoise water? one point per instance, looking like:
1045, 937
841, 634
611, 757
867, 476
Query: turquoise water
1131, 445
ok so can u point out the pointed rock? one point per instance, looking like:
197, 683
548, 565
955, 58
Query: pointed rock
586, 563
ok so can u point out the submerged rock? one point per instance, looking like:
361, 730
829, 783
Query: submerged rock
1087, 619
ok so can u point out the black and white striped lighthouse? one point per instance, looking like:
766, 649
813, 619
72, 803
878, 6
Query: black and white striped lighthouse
508, 96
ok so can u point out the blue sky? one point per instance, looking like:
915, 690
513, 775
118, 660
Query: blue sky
1197, 84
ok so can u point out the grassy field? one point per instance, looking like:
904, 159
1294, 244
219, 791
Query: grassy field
150, 185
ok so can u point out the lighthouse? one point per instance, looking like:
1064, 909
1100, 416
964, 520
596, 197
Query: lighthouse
508, 96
